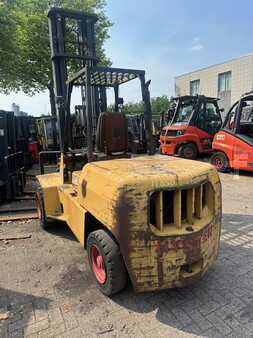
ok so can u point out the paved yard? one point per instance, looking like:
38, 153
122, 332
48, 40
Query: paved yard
46, 289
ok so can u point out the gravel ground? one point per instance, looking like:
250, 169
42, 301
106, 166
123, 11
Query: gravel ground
46, 288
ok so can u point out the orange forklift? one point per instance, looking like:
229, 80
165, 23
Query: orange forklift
195, 122
233, 144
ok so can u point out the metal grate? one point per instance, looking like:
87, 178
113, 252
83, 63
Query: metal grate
181, 207
102, 76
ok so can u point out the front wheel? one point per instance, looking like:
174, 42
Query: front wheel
188, 150
106, 262
220, 161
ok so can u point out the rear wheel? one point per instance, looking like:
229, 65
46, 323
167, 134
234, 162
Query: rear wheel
41, 210
188, 150
220, 161
106, 262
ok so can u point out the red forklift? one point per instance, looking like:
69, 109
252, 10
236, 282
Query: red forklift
195, 122
233, 144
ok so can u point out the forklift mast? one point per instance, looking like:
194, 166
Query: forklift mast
74, 63
73, 44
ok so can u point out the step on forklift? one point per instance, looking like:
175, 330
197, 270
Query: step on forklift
152, 218
233, 144
195, 122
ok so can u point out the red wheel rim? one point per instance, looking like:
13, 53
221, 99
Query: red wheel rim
98, 266
218, 163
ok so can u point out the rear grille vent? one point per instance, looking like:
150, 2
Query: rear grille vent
180, 208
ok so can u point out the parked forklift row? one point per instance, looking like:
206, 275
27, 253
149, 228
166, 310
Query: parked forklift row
24, 138
197, 128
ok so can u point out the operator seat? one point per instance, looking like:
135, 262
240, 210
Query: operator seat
112, 133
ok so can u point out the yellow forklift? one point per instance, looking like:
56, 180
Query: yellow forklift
153, 218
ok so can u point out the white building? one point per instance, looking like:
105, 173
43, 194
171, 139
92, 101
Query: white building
228, 81
16, 109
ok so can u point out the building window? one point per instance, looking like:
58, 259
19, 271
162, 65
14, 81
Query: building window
194, 87
224, 82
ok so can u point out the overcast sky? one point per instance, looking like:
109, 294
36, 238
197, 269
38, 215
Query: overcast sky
165, 38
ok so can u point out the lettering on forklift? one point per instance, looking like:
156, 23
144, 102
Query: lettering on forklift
190, 244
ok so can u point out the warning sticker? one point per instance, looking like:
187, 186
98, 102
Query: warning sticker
220, 137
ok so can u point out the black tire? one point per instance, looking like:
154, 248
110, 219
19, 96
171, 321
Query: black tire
113, 263
220, 161
41, 210
160, 150
188, 150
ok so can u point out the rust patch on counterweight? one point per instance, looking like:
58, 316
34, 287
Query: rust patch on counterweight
148, 247
122, 231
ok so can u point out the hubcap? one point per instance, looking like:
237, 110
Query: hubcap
188, 153
218, 163
98, 266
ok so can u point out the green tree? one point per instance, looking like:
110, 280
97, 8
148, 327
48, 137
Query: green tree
160, 104
25, 42
133, 108
8, 79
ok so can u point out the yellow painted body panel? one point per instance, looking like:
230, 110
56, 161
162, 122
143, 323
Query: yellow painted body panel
74, 214
57, 196
118, 193
50, 183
